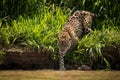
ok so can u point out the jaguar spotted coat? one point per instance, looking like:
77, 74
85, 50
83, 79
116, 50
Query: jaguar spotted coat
78, 24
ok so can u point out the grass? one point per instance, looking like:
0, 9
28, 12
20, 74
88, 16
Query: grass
59, 75
90, 47
39, 31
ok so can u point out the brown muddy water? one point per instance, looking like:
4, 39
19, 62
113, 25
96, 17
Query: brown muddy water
58, 75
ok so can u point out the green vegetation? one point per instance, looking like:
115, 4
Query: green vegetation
40, 31
1, 56
90, 46
35, 24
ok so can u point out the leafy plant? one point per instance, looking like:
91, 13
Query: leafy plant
39, 31
90, 47
1, 56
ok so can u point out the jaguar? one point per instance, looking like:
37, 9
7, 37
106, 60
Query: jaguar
77, 25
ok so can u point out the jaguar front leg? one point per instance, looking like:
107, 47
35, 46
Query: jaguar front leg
61, 62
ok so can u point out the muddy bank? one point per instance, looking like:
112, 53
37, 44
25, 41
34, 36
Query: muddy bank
26, 59
43, 59
112, 54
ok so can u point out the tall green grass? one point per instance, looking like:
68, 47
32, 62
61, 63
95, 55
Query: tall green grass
90, 47
40, 31
14, 8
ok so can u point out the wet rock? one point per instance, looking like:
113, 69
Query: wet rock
84, 67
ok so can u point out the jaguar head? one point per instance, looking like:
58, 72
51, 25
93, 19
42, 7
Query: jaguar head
64, 42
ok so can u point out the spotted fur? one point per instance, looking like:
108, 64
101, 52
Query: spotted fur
78, 24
